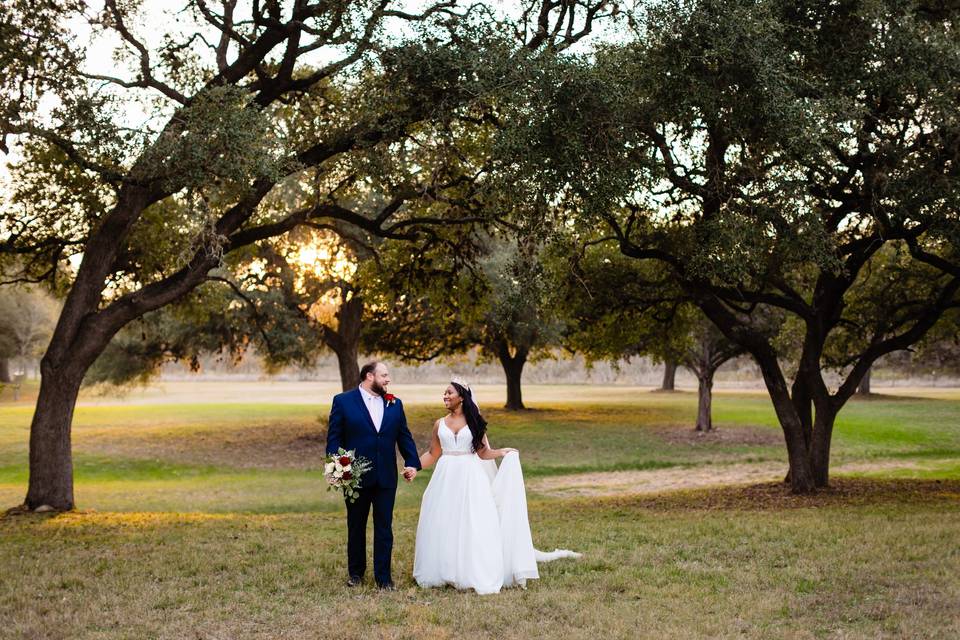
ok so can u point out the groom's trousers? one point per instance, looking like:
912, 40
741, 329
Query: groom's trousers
381, 499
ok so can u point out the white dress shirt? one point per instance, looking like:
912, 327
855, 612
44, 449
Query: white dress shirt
374, 407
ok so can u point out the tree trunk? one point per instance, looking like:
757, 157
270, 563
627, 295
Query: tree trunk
81, 335
345, 341
513, 370
669, 376
863, 389
705, 401
820, 447
349, 369
801, 473
5, 370
51, 463
803, 404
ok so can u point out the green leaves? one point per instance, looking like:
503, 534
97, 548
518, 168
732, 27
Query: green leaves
37, 57
219, 138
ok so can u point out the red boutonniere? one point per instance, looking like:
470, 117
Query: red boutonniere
390, 398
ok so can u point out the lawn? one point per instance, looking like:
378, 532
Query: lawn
206, 519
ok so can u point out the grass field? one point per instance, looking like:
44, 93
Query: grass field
201, 515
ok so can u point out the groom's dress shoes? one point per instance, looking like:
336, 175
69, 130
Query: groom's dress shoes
354, 581
386, 586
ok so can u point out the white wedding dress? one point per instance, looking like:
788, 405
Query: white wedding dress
473, 531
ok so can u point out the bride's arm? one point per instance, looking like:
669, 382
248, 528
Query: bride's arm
488, 453
431, 455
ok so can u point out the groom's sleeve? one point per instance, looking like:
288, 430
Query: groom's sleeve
408, 448
334, 427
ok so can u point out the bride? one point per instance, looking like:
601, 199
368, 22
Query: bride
473, 531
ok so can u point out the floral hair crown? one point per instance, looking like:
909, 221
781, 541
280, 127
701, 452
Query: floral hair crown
460, 381
463, 383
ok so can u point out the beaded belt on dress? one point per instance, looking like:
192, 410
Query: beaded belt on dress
458, 453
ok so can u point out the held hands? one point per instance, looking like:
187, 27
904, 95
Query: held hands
409, 473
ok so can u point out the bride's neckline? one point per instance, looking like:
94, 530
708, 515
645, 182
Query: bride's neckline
455, 433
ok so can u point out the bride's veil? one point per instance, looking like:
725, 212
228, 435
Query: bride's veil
509, 492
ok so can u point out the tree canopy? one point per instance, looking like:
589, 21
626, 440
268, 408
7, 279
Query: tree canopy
771, 156
253, 114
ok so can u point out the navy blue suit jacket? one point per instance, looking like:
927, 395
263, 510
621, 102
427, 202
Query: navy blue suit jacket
350, 427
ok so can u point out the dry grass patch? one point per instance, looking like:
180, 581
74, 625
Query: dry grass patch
699, 476
278, 445
613, 483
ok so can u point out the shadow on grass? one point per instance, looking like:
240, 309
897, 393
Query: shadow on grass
776, 496
720, 435
886, 397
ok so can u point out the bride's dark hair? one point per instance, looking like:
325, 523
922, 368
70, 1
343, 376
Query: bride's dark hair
478, 426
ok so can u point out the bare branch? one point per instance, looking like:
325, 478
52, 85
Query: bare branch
257, 317
946, 299
551, 23
440, 7
146, 72
68, 147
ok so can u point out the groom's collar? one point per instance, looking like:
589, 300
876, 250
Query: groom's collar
366, 394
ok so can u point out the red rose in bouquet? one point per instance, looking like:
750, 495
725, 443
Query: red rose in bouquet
344, 461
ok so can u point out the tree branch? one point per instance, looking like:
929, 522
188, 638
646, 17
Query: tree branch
147, 78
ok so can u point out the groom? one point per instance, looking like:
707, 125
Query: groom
371, 421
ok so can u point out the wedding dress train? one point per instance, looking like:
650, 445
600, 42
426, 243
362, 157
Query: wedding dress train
473, 531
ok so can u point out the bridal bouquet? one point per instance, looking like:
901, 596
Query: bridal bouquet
342, 470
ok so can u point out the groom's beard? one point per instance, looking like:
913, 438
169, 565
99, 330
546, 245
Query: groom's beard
377, 389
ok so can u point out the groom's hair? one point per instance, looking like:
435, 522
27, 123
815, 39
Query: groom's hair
370, 367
